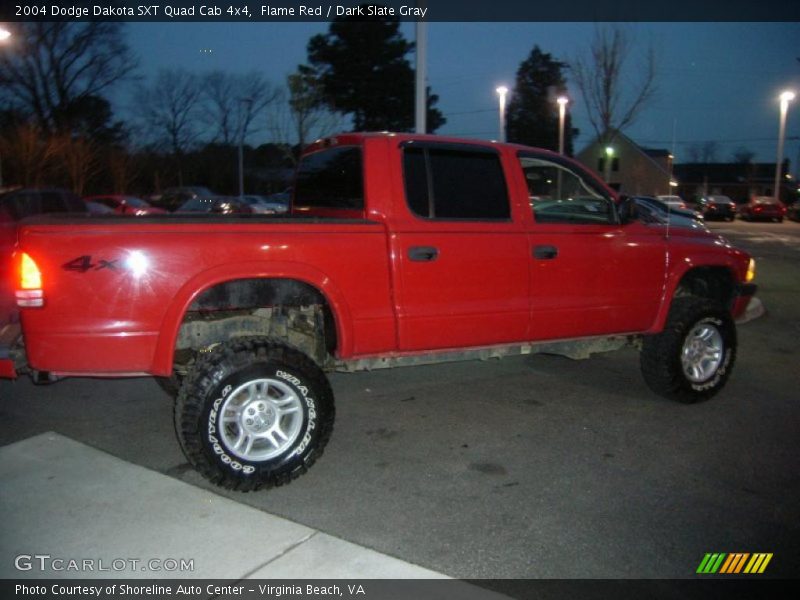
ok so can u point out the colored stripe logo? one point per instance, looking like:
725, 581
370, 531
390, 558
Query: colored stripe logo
734, 563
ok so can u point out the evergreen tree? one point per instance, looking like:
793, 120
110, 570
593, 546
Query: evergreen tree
532, 116
362, 68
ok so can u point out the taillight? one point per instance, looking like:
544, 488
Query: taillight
30, 293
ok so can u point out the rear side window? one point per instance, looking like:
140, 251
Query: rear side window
451, 183
331, 178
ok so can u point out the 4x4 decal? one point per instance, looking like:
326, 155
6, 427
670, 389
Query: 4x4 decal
84, 263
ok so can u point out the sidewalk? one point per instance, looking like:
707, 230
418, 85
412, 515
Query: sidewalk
72, 502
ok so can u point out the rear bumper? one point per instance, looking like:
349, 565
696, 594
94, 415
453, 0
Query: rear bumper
11, 357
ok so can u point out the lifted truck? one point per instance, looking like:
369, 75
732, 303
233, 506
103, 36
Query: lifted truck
400, 250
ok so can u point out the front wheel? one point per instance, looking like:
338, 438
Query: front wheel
254, 413
692, 358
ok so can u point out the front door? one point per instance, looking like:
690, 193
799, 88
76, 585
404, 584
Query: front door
590, 275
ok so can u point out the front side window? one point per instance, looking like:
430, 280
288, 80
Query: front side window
559, 194
453, 183
331, 178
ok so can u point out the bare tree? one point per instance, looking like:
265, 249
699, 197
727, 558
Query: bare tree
703, 152
55, 65
302, 116
121, 169
743, 155
234, 102
30, 153
613, 101
169, 108
78, 157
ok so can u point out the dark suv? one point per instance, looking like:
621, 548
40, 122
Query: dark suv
717, 207
173, 198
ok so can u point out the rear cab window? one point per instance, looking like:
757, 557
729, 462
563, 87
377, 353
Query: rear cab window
455, 182
330, 183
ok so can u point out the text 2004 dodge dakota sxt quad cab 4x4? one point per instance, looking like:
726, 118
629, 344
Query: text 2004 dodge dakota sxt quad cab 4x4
400, 250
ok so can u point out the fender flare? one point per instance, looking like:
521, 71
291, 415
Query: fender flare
676, 276
189, 291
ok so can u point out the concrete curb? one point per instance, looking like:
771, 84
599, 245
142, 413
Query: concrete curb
69, 501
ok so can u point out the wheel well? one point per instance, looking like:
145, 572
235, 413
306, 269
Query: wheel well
714, 283
280, 308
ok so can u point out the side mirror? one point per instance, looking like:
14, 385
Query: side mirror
626, 209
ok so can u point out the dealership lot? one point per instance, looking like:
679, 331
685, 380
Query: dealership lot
527, 467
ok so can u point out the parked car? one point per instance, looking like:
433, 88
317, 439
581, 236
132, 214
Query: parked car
672, 201
266, 205
793, 212
124, 205
224, 205
171, 199
19, 203
763, 208
717, 207
95, 208
653, 210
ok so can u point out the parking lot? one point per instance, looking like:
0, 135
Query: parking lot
529, 467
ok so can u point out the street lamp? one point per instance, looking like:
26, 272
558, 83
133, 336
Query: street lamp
609, 158
562, 113
502, 92
785, 98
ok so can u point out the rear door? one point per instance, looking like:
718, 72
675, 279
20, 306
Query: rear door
461, 262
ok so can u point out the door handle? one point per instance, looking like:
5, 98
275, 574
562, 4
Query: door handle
423, 253
545, 252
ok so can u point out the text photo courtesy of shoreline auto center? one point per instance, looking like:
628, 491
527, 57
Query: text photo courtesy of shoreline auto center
424, 299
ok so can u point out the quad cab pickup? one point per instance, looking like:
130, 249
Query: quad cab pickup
399, 250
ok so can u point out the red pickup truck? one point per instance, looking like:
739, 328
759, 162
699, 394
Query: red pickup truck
399, 250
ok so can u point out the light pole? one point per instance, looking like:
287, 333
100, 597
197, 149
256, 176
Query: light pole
785, 98
562, 113
421, 91
242, 132
5, 34
502, 92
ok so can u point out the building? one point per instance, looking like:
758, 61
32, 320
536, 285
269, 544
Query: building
739, 181
629, 168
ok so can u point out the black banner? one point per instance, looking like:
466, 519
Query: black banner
410, 10
389, 589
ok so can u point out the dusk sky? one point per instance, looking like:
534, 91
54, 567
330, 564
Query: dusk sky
716, 81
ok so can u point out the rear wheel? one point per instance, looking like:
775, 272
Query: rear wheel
692, 358
254, 413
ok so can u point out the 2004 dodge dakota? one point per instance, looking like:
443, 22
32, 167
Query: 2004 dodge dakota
400, 250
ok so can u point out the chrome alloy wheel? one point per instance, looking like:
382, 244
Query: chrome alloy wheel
261, 419
702, 352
